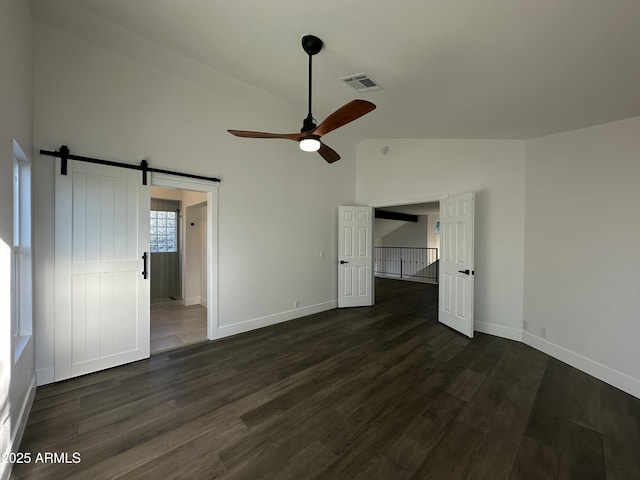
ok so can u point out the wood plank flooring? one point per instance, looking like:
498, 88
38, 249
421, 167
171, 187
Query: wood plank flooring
173, 325
369, 393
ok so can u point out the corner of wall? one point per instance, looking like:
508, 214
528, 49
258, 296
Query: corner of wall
255, 323
498, 330
602, 372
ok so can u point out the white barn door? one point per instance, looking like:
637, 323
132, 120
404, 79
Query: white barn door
101, 295
355, 256
457, 263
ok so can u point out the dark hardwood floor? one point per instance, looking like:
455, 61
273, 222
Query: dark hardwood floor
374, 393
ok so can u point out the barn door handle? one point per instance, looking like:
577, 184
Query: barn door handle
342, 262
144, 265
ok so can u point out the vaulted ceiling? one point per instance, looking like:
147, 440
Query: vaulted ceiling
502, 69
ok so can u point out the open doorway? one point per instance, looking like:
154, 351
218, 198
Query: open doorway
178, 268
407, 242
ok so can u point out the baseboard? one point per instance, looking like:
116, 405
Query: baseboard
45, 376
608, 375
248, 325
498, 330
202, 301
5, 470
191, 301
16, 436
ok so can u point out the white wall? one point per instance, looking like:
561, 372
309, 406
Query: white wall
202, 227
277, 205
383, 227
16, 377
409, 234
582, 257
423, 170
166, 193
195, 272
195, 248
433, 238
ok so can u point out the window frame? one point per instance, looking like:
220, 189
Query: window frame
22, 254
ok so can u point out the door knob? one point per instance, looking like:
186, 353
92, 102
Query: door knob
466, 272
342, 262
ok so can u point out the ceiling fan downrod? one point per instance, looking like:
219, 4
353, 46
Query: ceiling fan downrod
312, 45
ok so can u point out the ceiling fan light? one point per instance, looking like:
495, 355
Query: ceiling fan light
310, 144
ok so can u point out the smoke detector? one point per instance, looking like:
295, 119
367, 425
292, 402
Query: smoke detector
361, 82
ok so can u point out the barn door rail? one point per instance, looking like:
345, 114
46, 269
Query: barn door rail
64, 154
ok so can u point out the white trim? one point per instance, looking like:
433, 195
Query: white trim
5, 470
166, 180
248, 325
498, 330
607, 374
191, 301
45, 375
16, 437
20, 345
602, 372
18, 152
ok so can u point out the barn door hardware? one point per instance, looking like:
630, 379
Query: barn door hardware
65, 155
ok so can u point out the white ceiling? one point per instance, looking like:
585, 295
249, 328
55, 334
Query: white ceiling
449, 68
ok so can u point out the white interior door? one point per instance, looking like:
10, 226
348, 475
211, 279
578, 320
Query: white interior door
355, 256
101, 295
456, 263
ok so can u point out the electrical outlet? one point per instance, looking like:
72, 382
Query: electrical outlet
525, 325
296, 303
543, 332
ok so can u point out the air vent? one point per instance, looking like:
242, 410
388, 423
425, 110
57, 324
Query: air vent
361, 82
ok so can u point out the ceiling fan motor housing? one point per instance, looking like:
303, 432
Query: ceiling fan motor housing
308, 124
311, 44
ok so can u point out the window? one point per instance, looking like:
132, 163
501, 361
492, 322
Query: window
22, 277
164, 231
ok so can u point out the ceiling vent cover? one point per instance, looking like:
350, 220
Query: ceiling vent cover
361, 82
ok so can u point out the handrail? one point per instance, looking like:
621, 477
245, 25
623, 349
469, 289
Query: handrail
406, 262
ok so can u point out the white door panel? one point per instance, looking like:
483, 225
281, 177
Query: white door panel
101, 299
355, 252
457, 263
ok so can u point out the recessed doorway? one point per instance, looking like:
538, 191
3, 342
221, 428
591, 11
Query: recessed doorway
178, 268
407, 242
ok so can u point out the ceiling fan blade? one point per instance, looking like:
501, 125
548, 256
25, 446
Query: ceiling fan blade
246, 134
328, 153
345, 114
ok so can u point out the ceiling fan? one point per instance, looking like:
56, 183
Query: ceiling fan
309, 136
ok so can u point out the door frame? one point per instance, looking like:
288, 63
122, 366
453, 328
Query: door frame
421, 199
165, 180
